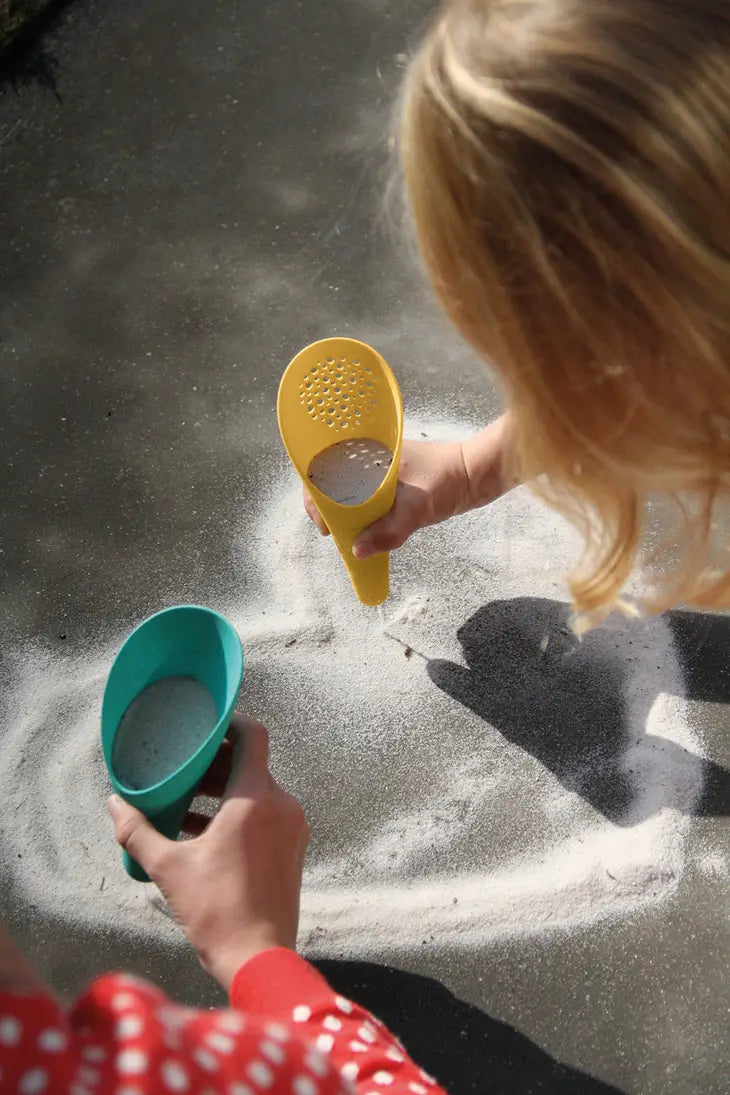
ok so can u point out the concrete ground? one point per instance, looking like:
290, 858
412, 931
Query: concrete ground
189, 194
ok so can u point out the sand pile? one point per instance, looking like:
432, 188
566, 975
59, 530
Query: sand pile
470, 773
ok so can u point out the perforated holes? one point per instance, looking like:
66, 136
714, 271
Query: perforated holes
339, 392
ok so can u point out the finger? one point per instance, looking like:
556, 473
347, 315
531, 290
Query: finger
314, 514
195, 823
137, 836
387, 534
251, 769
216, 778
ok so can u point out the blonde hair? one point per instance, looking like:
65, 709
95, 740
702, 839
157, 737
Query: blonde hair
567, 164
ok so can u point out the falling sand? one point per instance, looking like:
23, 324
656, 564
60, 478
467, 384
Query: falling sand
351, 471
161, 729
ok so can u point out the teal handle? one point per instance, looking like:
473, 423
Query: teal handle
169, 823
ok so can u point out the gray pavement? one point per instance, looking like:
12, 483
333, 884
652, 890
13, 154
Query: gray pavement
189, 194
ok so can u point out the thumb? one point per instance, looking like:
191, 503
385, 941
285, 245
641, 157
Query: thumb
137, 835
385, 535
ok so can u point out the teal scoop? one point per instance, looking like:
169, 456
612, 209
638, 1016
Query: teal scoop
187, 644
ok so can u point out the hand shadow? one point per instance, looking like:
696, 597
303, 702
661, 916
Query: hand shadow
563, 699
466, 1050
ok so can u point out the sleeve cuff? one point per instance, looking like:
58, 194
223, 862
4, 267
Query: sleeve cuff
276, 982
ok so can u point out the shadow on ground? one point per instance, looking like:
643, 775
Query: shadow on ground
466, 1050
563, 700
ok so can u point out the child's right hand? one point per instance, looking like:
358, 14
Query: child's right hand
436, 481
234, 889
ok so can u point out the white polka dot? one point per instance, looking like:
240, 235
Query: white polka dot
129, 1091
174, 1076
33, 1082
10, 1030
358, 1047
417, 1089
394, 1054
425, 1076
131, 1061
301, 1014
316, 1062
261, 1074
122, 1000
222, 1043
304, 1086
343, 1005
239, 1089
324, 1043
173, 1039
95, 1054
78, 1089
206, 1060
350, 1070
278, 1032
51, 1041
88, 1076
332, 1023
234, 1024
367, 1033
273, 1051
130, 1026
383, 1078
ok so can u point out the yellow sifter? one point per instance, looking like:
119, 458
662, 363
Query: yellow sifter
338, 397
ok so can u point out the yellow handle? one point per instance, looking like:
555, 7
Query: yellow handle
332, 391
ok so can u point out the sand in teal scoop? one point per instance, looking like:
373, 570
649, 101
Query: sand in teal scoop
162, 727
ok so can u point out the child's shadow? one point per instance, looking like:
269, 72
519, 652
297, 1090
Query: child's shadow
563, 700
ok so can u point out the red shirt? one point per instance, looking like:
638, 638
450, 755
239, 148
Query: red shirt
287, 1033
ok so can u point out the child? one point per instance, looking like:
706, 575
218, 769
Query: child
235, 891
568, 169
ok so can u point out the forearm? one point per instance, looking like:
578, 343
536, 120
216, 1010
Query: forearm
486, 459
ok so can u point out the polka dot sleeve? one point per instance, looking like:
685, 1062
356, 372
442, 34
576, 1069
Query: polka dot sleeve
361, 1049
287, 1034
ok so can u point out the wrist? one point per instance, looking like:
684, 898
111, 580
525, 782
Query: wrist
485, 464
223, 960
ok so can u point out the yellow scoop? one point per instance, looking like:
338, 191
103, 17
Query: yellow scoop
338, 390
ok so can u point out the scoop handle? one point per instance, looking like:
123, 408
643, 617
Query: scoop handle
169, 823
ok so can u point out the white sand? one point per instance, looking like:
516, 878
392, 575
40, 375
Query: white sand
351, 471
406, 818
161, 729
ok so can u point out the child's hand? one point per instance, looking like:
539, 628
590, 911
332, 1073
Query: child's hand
235, 888
435, 482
